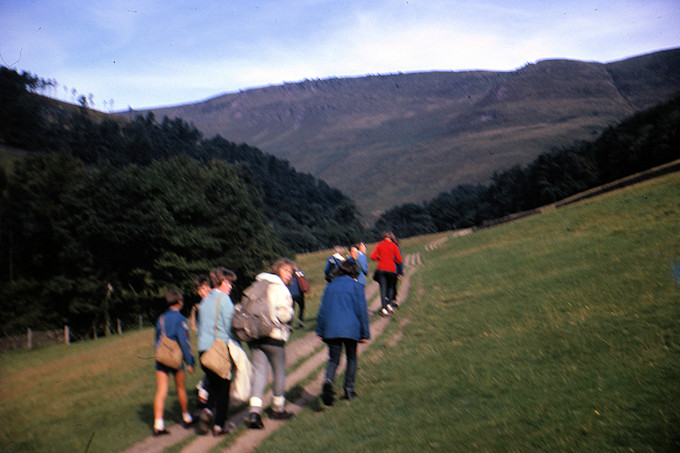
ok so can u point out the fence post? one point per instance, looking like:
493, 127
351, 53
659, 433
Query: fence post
67, 335
29, 338
120, 328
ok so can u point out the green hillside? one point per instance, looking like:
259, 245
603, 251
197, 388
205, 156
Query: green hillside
556, 332
389, 139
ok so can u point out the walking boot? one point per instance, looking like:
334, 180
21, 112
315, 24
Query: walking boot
350, 394
327, 393
254, 421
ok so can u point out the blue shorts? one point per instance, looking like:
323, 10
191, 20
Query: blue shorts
167, 369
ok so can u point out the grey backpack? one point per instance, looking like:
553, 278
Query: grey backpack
251, 319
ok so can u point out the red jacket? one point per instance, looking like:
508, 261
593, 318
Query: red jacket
387, 254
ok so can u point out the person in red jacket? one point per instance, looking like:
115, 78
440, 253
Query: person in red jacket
386, 253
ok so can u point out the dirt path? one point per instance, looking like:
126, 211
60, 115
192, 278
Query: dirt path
310, 354
250, 439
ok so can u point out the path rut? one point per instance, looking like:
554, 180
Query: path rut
310, 354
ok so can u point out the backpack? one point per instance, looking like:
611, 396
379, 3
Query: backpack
251, 318
302, 282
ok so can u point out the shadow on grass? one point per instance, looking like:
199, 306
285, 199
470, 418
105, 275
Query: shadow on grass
311, 401
145, 413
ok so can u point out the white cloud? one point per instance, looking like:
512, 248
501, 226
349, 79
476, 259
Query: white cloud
158, 52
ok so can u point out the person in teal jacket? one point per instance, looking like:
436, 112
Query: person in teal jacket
342, 320
176, 327
214, 321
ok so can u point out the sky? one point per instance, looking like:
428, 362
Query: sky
153, 53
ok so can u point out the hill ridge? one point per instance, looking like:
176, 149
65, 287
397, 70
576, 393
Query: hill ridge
389, 139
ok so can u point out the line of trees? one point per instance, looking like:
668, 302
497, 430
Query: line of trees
643, 141
102, 215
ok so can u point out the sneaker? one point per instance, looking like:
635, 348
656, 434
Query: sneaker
390, 308
384, 312
187, 424
160, 432
219, 431
254, 421
281, 415
202, 394
205, 421
327, 394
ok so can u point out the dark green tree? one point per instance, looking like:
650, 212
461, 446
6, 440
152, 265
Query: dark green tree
406, 220
21, 119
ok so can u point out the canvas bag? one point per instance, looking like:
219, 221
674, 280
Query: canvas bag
168, 352
242, 372
251, 317
216, 358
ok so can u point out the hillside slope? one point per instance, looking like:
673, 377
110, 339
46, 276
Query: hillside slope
389, 139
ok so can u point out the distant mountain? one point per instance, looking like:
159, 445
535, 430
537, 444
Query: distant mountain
389, 139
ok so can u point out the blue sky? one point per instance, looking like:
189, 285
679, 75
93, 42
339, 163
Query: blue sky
151, 53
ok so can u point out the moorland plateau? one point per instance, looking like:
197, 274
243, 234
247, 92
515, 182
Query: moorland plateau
385, 140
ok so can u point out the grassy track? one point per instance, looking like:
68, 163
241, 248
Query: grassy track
557, 332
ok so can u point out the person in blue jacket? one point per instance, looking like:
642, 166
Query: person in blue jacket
330, 269
357, 253
342, 320
176, 328
298, 295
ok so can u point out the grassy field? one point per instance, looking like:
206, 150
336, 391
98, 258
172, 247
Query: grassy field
557, 332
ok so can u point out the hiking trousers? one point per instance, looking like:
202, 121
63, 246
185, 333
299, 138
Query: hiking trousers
263, 355
388, 287
218, 394
334, 353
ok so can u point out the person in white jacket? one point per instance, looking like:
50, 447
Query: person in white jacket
270, 350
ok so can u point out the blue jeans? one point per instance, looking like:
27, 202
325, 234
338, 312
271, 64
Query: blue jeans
334, 353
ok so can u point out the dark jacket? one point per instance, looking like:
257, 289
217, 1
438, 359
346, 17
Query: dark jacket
343, 312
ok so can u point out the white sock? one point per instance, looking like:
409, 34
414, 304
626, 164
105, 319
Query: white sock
187, 417
278, 403
159, 424
255, 402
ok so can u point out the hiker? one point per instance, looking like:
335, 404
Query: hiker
270, 350
357, 253
203, 288
386, 253
342, 321
215, 322
330, 269
175, 326
400, 276
298, 293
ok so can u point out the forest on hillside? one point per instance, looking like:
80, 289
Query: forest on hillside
99, 216
645, 140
